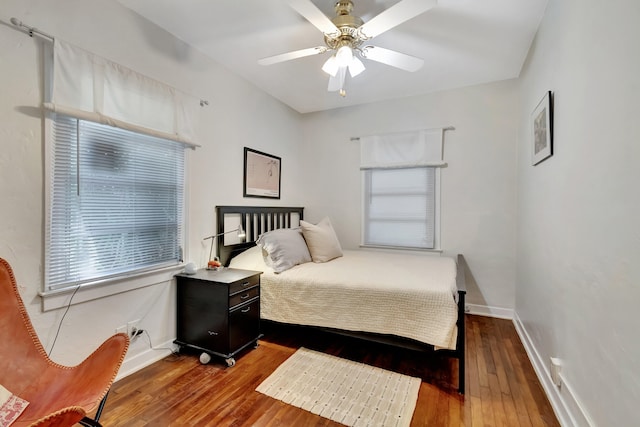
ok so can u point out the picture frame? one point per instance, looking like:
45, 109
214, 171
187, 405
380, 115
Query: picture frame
542, 130
262, 174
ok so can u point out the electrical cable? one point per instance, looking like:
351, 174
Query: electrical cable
138, 332
172, 350
62, 320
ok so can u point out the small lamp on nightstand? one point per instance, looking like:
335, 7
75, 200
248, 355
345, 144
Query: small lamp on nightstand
241, 235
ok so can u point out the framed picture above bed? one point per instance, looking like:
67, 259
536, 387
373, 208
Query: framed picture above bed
542, 124
261, 174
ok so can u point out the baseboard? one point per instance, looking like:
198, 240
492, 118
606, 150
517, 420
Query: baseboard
485, 310
566, 406
135, 362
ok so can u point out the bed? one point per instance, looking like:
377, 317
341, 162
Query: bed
411, 301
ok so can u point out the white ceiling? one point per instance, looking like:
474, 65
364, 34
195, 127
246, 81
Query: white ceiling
463, 42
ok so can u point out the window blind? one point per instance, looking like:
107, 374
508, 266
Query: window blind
116, 203
399, 207
402, 149
84, 85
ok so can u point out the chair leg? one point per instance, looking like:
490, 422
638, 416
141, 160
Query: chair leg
101, 406
88, 422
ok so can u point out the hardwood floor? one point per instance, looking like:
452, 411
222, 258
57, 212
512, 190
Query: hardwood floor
502, 388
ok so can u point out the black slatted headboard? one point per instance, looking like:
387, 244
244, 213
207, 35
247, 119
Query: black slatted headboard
255, 220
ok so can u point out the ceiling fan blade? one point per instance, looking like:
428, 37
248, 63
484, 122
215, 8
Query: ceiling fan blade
292, 55
395, 15
314, 15
393, 58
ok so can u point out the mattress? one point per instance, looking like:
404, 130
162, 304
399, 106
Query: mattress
411, 296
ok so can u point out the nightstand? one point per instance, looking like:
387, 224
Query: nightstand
219, 311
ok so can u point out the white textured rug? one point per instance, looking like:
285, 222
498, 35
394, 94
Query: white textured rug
344, 391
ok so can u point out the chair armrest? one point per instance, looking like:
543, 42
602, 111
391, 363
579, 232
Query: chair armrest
64, 417
86, 384
101, 367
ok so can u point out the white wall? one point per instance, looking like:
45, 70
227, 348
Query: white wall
577, 237
578, 276
478, 186
238, 115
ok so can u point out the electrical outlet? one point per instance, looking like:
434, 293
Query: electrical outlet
132, 327
121, 329
136, 333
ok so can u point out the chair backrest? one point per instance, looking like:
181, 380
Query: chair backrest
22, 356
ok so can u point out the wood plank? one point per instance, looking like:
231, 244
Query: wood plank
502, 389
473, 375
477, 416
456, 412
497, 405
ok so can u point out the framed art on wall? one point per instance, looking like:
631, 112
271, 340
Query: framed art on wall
261, 174
542, 123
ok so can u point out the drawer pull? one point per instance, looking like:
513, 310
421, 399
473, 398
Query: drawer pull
245, 296
245, 284
212, 333
246, 310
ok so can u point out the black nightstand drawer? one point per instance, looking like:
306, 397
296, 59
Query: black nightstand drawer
246, 283
244, 324
243, 296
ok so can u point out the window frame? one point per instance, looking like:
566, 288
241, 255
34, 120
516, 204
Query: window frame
437, 246
53, 298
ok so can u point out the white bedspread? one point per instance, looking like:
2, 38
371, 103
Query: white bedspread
411, 296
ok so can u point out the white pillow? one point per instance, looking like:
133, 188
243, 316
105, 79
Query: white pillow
251, 259
321, 240
285, 248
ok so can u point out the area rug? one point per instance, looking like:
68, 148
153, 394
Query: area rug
350, 393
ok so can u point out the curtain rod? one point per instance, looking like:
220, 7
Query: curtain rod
31, 30
357, 138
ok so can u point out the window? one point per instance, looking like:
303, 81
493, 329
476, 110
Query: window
400, 207
115, 203
401, 188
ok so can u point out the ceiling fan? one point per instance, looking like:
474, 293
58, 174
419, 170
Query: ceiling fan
346, 33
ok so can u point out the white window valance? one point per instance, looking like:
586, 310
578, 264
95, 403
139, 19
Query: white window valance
86, 86
402, 150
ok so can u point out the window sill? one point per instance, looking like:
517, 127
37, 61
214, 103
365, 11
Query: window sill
52, 300
400, 248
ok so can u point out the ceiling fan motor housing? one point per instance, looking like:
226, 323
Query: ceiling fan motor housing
347, 24
344, 7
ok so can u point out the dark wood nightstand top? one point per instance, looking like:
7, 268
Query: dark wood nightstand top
225, 275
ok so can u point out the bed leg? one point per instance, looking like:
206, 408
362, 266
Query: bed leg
461, 343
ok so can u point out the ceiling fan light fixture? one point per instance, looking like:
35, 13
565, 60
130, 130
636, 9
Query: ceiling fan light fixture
344, 56
356, 67
331, 66
336, 83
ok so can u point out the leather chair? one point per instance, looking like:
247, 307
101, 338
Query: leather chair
57, 395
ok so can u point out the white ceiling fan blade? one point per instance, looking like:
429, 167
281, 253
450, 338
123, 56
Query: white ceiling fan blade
314, 15
292, 55
393, 58
395, 15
